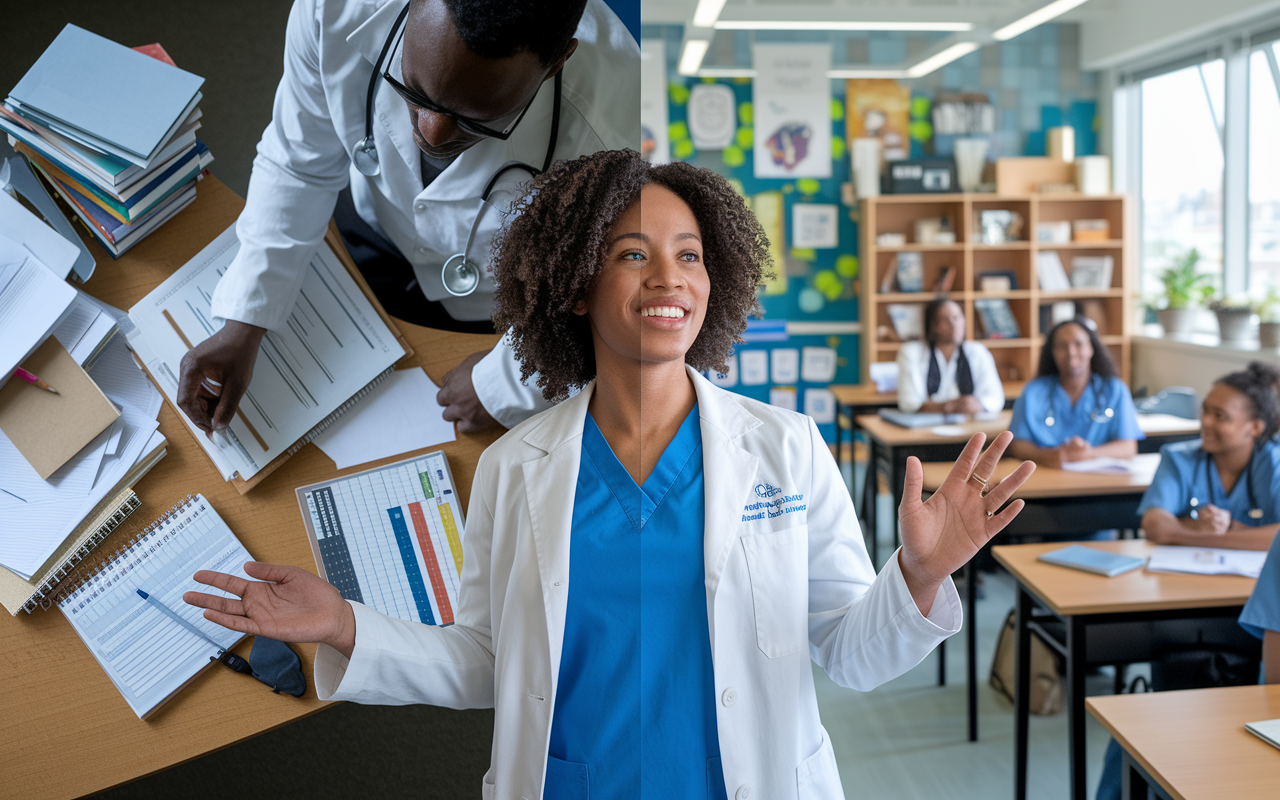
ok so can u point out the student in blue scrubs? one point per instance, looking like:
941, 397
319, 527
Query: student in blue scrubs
652, 566
1222, 490
1077, 408
1261, 615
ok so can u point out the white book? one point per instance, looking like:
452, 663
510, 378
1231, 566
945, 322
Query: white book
1103, 464
1206, 560
1267, 730
1053, 276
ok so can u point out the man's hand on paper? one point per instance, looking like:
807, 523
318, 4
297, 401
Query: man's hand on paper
283, 602
215, 374
458, 396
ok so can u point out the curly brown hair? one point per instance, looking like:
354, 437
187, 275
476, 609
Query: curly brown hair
547, 260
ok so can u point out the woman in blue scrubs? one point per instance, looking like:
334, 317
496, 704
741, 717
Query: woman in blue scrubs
1077, 408
1223, 489
652, 566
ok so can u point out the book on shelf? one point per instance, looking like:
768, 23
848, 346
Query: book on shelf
946, 280
997, 318
1091, 272
909, 268
907, 319
1053, 276
998, 281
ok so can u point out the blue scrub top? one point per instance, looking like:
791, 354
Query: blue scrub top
1262, 612
1181, 476
635, 712
1045, 395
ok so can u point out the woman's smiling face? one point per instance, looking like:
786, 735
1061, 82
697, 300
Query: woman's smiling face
649, 301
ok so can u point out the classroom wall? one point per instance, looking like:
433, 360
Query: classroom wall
1160, 362
1130, 30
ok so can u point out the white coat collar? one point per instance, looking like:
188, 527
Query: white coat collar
466, 177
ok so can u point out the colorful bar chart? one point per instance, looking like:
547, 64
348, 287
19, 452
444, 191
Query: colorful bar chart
390, 537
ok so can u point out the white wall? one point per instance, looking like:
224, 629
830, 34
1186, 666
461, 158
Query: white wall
1128, 30
1157, 363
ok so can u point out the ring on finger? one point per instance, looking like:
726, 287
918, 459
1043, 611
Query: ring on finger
990, 514
985, 482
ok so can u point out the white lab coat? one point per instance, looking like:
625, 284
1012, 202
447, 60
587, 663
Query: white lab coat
913, 375
775, 580
304, 161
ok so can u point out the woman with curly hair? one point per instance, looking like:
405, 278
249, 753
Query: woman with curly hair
650, 565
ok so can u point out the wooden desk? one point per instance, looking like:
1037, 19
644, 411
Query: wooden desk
857, 399
65, 729
1194, 744
889, 446
1120, 620
1058, 502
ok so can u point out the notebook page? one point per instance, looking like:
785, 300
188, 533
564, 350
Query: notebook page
334, 344
146, 654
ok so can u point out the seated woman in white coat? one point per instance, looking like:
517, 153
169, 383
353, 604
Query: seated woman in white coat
945, 373
649, 565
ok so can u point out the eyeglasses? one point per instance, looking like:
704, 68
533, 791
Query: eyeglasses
420, 100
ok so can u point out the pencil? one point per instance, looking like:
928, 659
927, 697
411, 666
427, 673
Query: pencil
22, 374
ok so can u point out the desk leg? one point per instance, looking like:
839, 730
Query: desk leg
971, 637
897, 476
1075, 705
1022, 693
869, 489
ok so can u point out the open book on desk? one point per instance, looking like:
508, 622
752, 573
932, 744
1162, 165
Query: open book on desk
337, 346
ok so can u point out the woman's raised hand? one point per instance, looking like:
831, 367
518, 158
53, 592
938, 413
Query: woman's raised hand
284, 602
941, 535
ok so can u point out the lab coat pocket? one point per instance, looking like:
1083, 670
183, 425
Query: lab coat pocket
778, 566
566, 780
818, 776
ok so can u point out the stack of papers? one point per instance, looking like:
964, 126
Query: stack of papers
125, 161
1103, 464
40, 514
1206, 560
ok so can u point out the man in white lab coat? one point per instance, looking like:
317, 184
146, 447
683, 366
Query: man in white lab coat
478, 84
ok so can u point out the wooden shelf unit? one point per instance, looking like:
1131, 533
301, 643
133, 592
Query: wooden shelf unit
1019, 358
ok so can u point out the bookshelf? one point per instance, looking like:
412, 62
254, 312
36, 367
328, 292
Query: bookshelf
1017, 357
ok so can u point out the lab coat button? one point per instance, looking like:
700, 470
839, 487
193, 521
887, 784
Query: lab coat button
744, 792
419, 206
422, 250
728, 697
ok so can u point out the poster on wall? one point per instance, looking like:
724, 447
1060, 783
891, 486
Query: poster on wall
879, 109
713, 115
767, 206
654, 145
792, 103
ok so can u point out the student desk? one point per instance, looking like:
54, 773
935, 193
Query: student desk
889, 446
857, 399
1194, 744
1057, 501
66, 731
1125, 619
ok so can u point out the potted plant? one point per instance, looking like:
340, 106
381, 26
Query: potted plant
1234, 312
1268, 309
1185, 290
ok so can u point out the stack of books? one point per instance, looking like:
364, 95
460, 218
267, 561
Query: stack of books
113, 131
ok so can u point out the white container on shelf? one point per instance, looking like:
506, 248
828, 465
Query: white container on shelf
1093, 175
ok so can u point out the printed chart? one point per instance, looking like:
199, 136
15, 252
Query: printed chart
391, 537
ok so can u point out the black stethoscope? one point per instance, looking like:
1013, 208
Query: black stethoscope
460, 273
1255, 512
1097, 416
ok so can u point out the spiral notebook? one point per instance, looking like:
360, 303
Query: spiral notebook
148, 656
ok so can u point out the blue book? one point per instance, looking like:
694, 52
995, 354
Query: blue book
108, 91
1090, 559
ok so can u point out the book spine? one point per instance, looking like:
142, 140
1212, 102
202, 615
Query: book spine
84, 581
43, 597
342, 409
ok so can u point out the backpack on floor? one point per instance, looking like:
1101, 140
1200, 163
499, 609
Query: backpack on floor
1046, 678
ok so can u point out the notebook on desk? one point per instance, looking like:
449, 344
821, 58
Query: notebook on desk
1267, 730
148, 656
919, 419
1090, 559
338, 345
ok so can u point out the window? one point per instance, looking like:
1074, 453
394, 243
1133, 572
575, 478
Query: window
1264, 168
1182, 169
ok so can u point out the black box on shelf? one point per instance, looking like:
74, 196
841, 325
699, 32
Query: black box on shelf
920, 176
